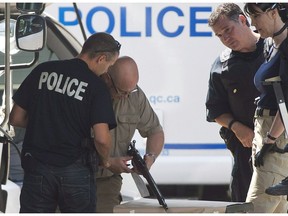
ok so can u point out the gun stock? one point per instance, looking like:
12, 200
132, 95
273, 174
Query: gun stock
140, 164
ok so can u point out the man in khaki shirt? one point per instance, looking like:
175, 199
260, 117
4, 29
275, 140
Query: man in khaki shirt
133, 111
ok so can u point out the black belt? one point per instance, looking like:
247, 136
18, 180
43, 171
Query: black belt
264, 112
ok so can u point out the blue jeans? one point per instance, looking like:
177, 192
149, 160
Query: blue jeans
71, 188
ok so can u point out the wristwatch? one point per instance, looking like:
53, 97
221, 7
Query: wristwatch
107, 164
151, 155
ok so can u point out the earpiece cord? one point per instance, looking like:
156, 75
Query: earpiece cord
281, 30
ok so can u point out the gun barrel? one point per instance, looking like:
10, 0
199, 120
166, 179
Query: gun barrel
141, 166
155, 189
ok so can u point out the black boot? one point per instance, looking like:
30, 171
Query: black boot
278, 189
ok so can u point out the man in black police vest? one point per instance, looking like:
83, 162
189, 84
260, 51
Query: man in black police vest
231, 93
58, 104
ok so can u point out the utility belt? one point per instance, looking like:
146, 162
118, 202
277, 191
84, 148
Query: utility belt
89, 157
260, 112
29, 163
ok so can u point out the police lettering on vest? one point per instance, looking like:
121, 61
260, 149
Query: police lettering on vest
55, 82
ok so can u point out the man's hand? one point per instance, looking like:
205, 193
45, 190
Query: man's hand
119, 165
259, 157
243, 133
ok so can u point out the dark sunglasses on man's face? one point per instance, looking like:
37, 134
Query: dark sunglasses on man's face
121, 93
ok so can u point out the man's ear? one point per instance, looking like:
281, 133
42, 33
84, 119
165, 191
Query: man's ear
273, 12
243, 19
101, 58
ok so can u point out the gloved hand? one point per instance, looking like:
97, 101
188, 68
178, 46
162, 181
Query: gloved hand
260, 155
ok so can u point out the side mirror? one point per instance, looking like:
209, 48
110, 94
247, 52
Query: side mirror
30, 32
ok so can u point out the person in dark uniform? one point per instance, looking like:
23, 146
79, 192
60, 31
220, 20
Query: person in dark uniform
58, 104
231, 92
270, 166
281, 188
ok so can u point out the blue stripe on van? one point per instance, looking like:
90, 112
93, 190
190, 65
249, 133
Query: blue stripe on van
195, 146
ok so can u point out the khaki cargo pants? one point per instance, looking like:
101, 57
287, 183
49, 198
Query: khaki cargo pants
274, 170
108, 193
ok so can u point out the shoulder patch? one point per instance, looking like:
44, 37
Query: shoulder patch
225, 55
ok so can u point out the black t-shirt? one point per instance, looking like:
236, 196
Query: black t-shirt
231, 88
63, 99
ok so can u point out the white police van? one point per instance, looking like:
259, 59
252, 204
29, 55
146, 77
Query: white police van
174, 49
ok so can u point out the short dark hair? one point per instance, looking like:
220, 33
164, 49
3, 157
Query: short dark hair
100, 43
251, 8
229, 10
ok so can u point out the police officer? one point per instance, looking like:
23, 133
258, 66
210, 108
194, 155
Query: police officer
58, 104
271, 20
281, 188
231, 93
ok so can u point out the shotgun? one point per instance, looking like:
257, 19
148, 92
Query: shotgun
140, 165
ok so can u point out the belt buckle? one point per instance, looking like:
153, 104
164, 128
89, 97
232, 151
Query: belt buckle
259, 112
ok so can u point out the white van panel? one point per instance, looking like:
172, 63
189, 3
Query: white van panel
174, 49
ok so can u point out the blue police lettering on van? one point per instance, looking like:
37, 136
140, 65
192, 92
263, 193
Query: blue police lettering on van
123, 25
193, 12
65, 10
148, 21
154, 99
94, 10
160, 21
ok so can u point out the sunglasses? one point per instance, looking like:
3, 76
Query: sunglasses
120, 92
117, 47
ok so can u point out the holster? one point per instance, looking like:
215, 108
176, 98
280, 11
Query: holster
90, 155
229, 138
28, 162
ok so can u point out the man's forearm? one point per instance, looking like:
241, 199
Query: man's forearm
103, 150
155, 143
102, 142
